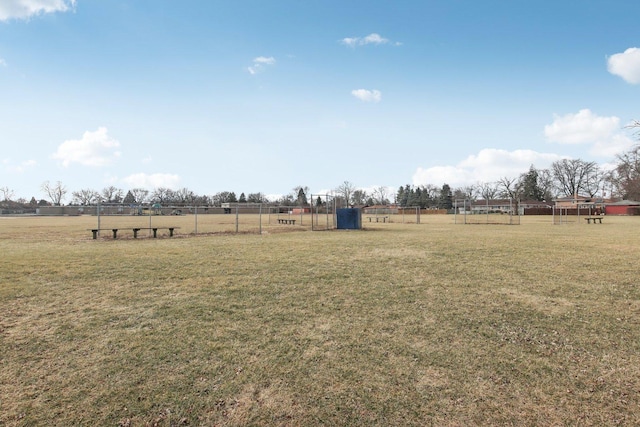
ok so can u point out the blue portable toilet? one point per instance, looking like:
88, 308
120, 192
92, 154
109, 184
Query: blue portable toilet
349, 219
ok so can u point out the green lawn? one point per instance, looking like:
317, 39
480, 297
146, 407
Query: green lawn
398, 324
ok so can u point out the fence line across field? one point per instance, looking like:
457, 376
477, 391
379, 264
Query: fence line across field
466, 212
228, 218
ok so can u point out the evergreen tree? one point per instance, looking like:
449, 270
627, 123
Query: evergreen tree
242, 199
301, 197
414, 197
400, 198
530, 187
445, 200
425, 199
129, 199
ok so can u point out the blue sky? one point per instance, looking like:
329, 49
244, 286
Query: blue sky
262, 96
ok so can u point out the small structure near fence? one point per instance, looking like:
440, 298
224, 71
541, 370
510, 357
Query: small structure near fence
349, 219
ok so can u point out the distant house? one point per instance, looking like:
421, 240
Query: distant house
580, 204
575, 202
534, 207
523, 207
623, 207
484, 206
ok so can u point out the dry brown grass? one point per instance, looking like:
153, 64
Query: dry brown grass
417, 324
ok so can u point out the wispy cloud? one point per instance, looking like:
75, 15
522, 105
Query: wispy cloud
603, 134
3, 63
373, 38
260, 63
367, 95
25, 9
93, 149
626, 65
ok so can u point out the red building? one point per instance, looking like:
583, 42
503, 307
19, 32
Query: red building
623, 207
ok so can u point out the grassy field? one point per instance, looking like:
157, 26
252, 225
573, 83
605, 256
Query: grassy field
398, 324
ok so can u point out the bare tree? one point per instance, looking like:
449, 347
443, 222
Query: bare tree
381, 195
488, 190
162, 195
7, 194
625, 178
55, 193
112, 194
256, 198
85, 197
184, 196
359, 197
468, 192
139, 194
594, 181
572, 176
223, 197
636, 126
509, 187
346, 190
546, 185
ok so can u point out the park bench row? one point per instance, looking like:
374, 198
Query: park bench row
286, 221
135, 231
378, 218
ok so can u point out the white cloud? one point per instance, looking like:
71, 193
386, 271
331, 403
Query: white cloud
626, 65
615, 144
489, 165
580, 128
373, 38
24, 9
367, 95
265, 60
3, 63
22, 167
603, 134
156, 180
350, 41
94, 149
260, 63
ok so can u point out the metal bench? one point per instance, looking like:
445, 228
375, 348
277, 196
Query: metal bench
286, 221
594, 218
135, 230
